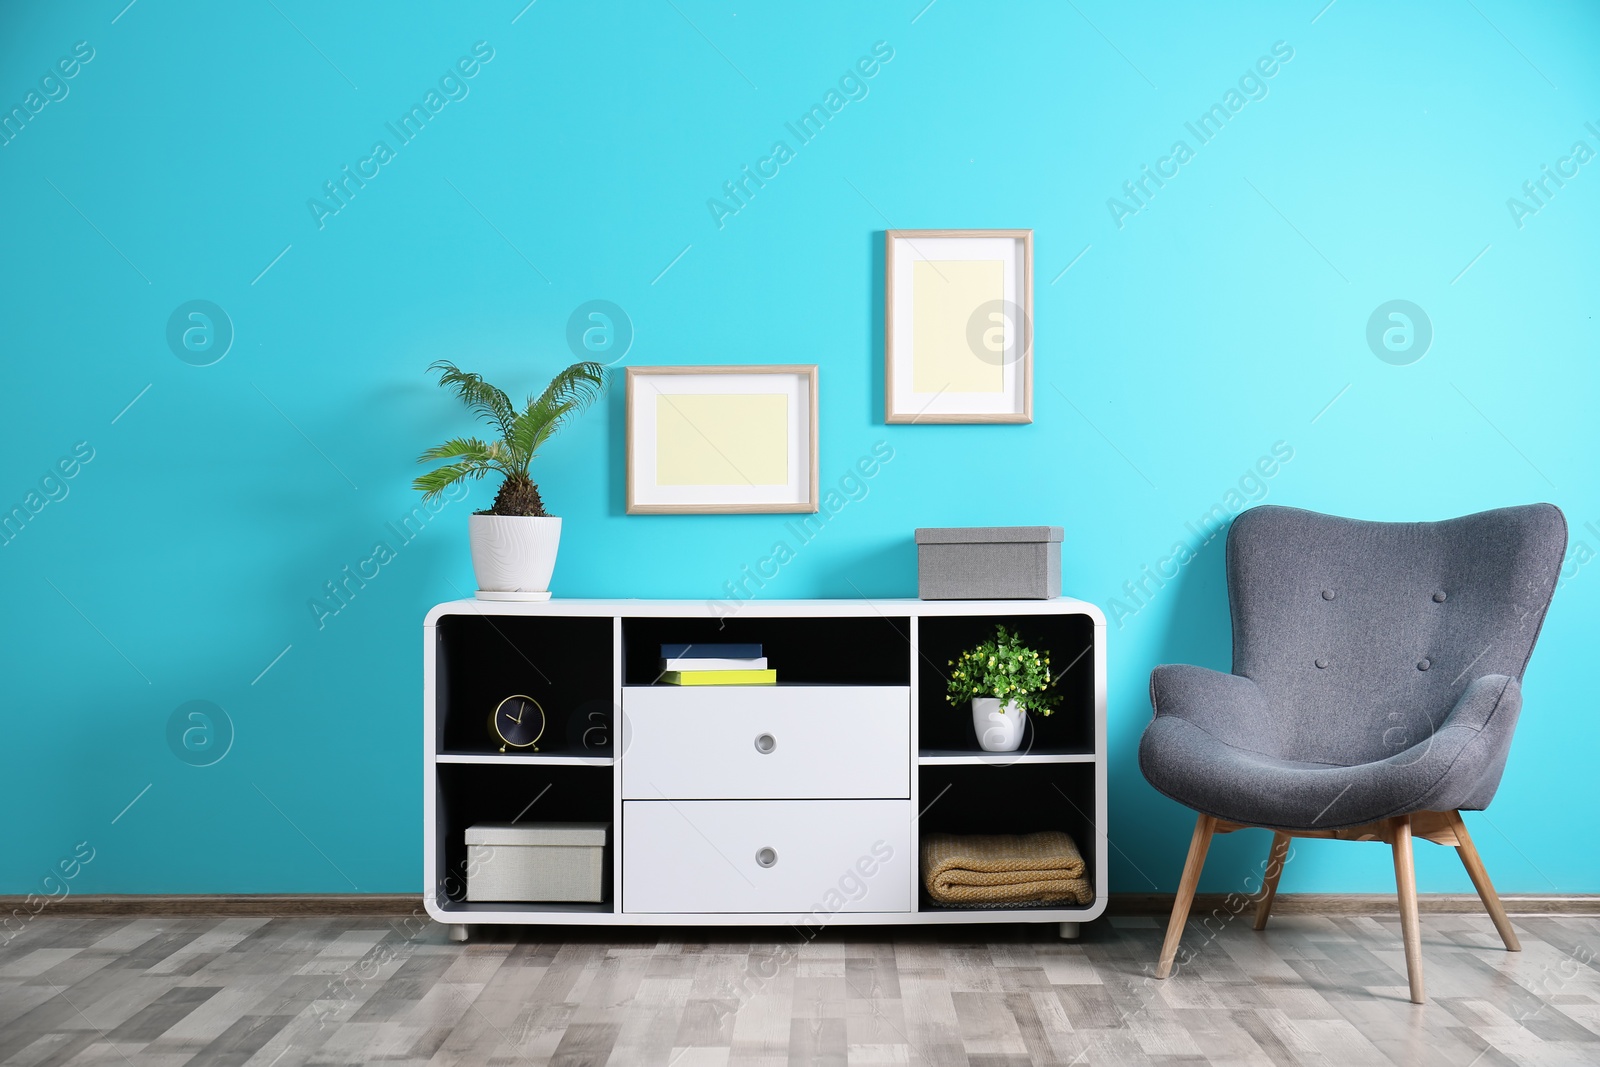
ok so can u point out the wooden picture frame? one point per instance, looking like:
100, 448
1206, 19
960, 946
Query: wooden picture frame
958, 326
722, 440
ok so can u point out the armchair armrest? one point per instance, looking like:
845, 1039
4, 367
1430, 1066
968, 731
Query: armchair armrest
1482, 723
1493, 701
1229, 707
1465, 757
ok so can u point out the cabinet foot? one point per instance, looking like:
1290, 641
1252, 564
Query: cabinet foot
458, 931
1069, 931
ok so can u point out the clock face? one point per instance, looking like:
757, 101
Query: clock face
518, 722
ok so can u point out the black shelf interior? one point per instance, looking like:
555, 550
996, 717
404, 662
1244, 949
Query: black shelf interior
563, 663
867, 650
475, 793
1023, 799
1067, 639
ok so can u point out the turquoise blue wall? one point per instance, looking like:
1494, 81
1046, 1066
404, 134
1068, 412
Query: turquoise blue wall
1222, 317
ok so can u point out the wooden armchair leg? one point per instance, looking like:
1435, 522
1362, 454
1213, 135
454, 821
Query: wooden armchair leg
1269, 880
1405, 877
1204, 826
1480, 881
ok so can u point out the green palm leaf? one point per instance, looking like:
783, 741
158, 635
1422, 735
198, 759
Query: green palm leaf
439, 479
490, 402
568, 393
477, 459
468, 447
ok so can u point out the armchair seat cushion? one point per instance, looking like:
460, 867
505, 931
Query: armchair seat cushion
1212, 747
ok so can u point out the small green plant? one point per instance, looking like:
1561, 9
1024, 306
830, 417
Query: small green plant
521, 433
1004, 667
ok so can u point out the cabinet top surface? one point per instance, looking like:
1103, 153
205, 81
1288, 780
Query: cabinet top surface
755, 609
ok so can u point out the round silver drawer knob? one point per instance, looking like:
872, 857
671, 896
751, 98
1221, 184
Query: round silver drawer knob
766, 857
765, 743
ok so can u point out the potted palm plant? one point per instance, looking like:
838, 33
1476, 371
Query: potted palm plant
514, 543
1004, 679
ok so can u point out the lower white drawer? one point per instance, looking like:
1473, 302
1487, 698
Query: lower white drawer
814, 856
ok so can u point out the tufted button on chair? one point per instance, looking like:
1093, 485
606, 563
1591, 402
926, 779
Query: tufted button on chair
1332, 724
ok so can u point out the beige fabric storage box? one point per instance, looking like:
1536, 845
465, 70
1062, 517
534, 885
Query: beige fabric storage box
536, 861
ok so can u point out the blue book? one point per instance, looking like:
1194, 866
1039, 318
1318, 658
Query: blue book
711, 650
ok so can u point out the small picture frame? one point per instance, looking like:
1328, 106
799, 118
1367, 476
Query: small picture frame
958, 326
722, 440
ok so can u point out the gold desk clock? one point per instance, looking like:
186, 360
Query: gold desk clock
517, 722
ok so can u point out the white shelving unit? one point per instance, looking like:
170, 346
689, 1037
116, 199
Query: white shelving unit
815, 825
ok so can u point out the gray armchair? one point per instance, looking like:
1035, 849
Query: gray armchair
1376, 683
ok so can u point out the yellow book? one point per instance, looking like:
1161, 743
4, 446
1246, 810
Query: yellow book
767, 677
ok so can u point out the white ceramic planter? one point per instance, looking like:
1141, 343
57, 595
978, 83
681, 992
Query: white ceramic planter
998, 730
513, 555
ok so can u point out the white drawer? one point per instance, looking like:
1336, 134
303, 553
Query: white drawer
827, 856
766, 742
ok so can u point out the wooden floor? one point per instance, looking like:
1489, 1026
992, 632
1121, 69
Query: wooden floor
352, 991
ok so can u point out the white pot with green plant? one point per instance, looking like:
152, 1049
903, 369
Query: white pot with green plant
514, 543
1003, 679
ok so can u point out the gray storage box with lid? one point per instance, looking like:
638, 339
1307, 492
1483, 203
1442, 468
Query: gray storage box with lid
536, 861
989, 563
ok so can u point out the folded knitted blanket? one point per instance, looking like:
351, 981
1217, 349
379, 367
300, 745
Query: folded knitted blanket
1004, 869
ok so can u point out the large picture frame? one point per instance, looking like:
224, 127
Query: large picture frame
722, 440
958, 326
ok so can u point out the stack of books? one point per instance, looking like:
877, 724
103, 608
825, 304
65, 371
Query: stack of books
707, 663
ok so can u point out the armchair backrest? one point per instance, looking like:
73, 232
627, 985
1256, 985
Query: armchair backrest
1363, 635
